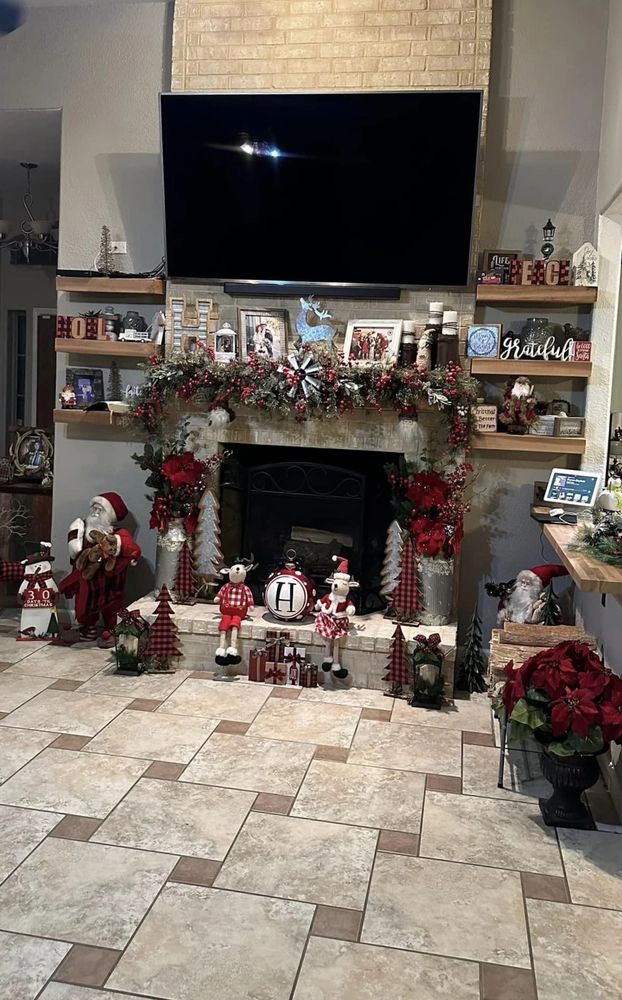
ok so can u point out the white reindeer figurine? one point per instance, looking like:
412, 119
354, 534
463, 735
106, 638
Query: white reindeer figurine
333, 620
236, 600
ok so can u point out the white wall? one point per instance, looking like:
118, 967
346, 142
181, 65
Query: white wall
104, 66
610, 164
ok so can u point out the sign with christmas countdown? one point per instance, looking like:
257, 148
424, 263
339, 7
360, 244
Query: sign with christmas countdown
289, 595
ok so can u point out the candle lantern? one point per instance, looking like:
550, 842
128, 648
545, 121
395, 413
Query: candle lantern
548, 247
427, 672
130, 640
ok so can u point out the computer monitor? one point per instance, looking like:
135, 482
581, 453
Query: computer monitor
570, 488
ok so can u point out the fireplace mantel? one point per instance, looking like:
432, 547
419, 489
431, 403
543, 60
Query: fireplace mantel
357, 430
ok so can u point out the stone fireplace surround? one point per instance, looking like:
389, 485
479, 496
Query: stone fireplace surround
367, 647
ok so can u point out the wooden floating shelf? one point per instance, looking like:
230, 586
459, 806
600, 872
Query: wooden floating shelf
553, 369
89, 418
534, 443
111, 348
112, 286
550, 295
588, 573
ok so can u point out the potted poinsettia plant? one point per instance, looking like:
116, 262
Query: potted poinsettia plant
430, 505
570, 703
178, 480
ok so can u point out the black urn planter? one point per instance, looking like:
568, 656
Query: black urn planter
569, 776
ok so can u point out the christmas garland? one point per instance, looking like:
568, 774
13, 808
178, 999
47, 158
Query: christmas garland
603, 539
303, 386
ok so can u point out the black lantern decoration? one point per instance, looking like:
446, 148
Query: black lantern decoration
548, 247
427, 672
130, 641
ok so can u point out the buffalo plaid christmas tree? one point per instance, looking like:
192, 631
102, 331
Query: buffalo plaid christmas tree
163, 643
186, 584
407, 599
398, 671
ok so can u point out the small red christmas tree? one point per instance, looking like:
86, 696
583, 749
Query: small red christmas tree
186, 585
162, 645
407, 597
398, 670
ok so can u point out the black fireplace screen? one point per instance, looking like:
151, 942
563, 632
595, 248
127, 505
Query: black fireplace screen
317, 508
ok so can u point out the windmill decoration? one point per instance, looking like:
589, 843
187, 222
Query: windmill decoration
301, 376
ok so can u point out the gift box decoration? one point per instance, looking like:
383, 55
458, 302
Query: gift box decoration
308, 676
294, 658
276, 673
257, 665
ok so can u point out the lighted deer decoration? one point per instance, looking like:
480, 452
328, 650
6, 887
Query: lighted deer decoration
236, 600
310, 323
333, 620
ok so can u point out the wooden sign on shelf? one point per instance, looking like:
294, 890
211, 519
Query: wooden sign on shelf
81, 328
539, 272
582, 350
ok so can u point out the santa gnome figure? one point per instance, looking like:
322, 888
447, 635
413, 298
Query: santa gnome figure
523, 598
100, 554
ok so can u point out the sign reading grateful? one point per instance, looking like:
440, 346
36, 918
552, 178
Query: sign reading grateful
513, 349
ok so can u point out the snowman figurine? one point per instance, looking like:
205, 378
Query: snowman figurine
37, 595
333, 621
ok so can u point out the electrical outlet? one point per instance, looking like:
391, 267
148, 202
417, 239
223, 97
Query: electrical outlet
119, 246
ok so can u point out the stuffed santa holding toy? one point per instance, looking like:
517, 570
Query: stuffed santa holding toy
522, 599
100, 554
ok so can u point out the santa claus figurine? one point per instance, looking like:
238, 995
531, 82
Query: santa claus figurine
333, 621
100, 554
522, 599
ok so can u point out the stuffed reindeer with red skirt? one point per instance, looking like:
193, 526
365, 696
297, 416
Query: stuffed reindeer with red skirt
333, 621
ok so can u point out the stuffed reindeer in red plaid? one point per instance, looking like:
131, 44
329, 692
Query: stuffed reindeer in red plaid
236, 600
333, 620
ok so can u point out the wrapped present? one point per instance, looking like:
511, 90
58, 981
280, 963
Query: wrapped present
257, 665
275, 644
308, 675
294, 659
275, 673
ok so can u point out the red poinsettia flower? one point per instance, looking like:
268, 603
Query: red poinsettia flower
611, 711
430, 543
180, 469
514, 687
428, 490
576, 712
553, 675
595, 681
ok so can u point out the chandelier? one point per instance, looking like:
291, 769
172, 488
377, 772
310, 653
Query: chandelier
33, 243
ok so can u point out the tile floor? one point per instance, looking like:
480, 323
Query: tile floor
180, 838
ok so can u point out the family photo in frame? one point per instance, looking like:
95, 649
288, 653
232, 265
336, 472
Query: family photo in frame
373, 342
263, 332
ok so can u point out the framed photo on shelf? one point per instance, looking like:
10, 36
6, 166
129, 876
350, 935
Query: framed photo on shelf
88, 385
372, 341
263, 332
32, 452
483, 341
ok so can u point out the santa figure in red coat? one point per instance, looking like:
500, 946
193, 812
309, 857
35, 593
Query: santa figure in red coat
333, 621
100, 554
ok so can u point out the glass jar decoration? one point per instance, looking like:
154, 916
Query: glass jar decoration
112, 323
134, 321
535, 332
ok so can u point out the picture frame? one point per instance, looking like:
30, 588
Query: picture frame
32, 453
263, 332
483, 340
499, 261
569, 426
88, 385
372, 341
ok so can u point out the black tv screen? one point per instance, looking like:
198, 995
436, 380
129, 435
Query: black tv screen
361, 188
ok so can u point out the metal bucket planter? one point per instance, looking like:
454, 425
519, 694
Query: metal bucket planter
437, 589
170, 544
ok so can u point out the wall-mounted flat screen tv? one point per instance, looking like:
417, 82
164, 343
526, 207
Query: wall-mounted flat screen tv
357, 188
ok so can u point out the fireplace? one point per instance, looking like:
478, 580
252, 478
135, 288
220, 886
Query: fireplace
317, 503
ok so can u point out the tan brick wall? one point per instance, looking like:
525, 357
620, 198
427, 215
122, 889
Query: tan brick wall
331, 44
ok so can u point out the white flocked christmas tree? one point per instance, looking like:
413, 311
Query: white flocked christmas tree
208, 554
391, 566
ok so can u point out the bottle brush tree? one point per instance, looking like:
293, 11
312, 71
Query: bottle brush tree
472, 673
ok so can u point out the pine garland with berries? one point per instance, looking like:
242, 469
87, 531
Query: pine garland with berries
292, 387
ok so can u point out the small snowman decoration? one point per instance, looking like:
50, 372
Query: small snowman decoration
37, 595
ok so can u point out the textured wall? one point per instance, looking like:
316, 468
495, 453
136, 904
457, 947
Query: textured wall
335, 44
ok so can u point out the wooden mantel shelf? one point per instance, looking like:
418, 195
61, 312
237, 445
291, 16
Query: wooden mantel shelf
550, 295
111, 348
588, 573
154, 287
544, 369
530, 443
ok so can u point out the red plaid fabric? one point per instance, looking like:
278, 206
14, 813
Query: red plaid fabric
163, 640
11, 572
398, 672
236, 595
186, 578
407, 597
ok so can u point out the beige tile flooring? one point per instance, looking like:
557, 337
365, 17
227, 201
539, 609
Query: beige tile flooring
180, 838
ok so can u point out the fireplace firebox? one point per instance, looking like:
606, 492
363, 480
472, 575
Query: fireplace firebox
273, 500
